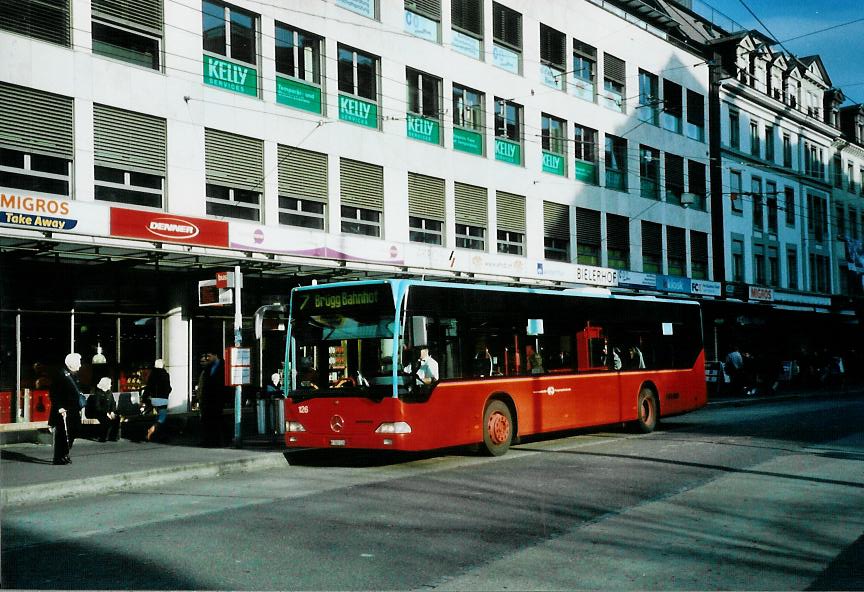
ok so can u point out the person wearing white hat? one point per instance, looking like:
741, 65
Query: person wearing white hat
102, 406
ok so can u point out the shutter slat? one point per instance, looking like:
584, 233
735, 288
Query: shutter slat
614, 69
699, 246
510, 211
362, 184
652, 238
617, 232
428, 8
676, 242
143, 13
127, 140
302, 173
425, 196
472, 205
506, 25
556, 220
234, 161
35, 121
584, 50
587, 227
468, 15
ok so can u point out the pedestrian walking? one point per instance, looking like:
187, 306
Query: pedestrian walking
211, 399
156, 393
66, 403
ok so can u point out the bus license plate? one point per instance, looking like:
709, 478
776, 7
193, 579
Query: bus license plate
337, 442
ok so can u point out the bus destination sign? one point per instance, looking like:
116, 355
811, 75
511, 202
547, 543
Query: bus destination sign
339, 300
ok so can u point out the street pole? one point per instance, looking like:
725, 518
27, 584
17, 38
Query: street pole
238, 338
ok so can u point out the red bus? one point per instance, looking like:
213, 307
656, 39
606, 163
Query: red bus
414, 365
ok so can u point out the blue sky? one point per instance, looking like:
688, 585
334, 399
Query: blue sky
842, 49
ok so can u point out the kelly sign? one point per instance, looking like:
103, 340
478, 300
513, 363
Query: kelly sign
230, 76
553, 163
169, 228
507, 151
424, 129
356, 111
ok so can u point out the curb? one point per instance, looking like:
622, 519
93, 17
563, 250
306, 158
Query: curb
31, 494
759, 400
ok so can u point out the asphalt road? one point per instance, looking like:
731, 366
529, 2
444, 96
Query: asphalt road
758, 497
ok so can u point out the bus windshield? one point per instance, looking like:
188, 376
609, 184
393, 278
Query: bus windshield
344, 341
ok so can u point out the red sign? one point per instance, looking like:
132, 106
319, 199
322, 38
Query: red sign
170, 228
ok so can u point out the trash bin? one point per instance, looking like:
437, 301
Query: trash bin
6, 407
40, 405
261, 413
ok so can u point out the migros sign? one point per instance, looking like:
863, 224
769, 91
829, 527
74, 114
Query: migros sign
34, 205
161, 227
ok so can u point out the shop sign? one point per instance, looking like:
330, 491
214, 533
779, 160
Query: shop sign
637, 279
551, 77
586, 172
170, 228
465, 44
354, 110
298, 95
553, 163
364, 7
467, 141
808, 299
230, 76
421, 27
671, 283
596, 276
705, 288
760, 293
424, 129
505, 59
507, 151
52, 214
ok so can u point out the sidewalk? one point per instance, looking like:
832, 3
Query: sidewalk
27, 474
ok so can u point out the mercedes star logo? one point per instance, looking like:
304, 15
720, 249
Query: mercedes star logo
337, 423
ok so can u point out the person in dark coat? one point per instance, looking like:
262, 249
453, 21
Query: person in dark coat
211, 399
156, 391
102, 407
65, 415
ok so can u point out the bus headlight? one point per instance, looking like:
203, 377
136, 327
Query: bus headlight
394, 427
294, 426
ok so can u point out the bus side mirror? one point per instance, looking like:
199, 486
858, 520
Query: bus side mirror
535, 327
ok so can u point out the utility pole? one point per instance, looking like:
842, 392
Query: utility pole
238, 341
718, 231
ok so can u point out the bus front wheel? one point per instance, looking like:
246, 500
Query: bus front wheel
497, 428
648, 411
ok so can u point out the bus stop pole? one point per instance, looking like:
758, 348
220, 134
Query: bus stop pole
238, 339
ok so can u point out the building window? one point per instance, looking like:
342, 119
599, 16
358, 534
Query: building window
850, 177
614, 83
755, 148
735, 192
673, 104
466, 17
813, 161
358, 73
556, 231
425, 209
133, 35
230, 31
36, 173
423, 19
510, 243
506, 38
737, 260
649, 98
553, 140
853, 223
553, 57
695, 127
587, 236
649, 172
233, 202
840, 220
769, 143
820, 273
837, 169
472, 216
468, 120
696, 181
617, 241
234, 167
616, 163
817, 217
362, 195
698, 255
424, 106
759, 264
789, 206
298, 54
676, 251
508, 131
757, 201
585, 148
792, 268
787, 151
652, 247
510, 211
771, 205
584, 70
303, 188
734, 130
367, 8
674, 178
46, 20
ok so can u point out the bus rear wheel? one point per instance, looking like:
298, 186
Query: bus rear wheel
497, 428
648, 409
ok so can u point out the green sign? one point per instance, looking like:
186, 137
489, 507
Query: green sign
507, 151
230, 76
466, 141
298, 95
356, 111
553, 163
586, 172
421, 128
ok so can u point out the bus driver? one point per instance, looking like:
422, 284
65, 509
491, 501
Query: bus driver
427, 371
